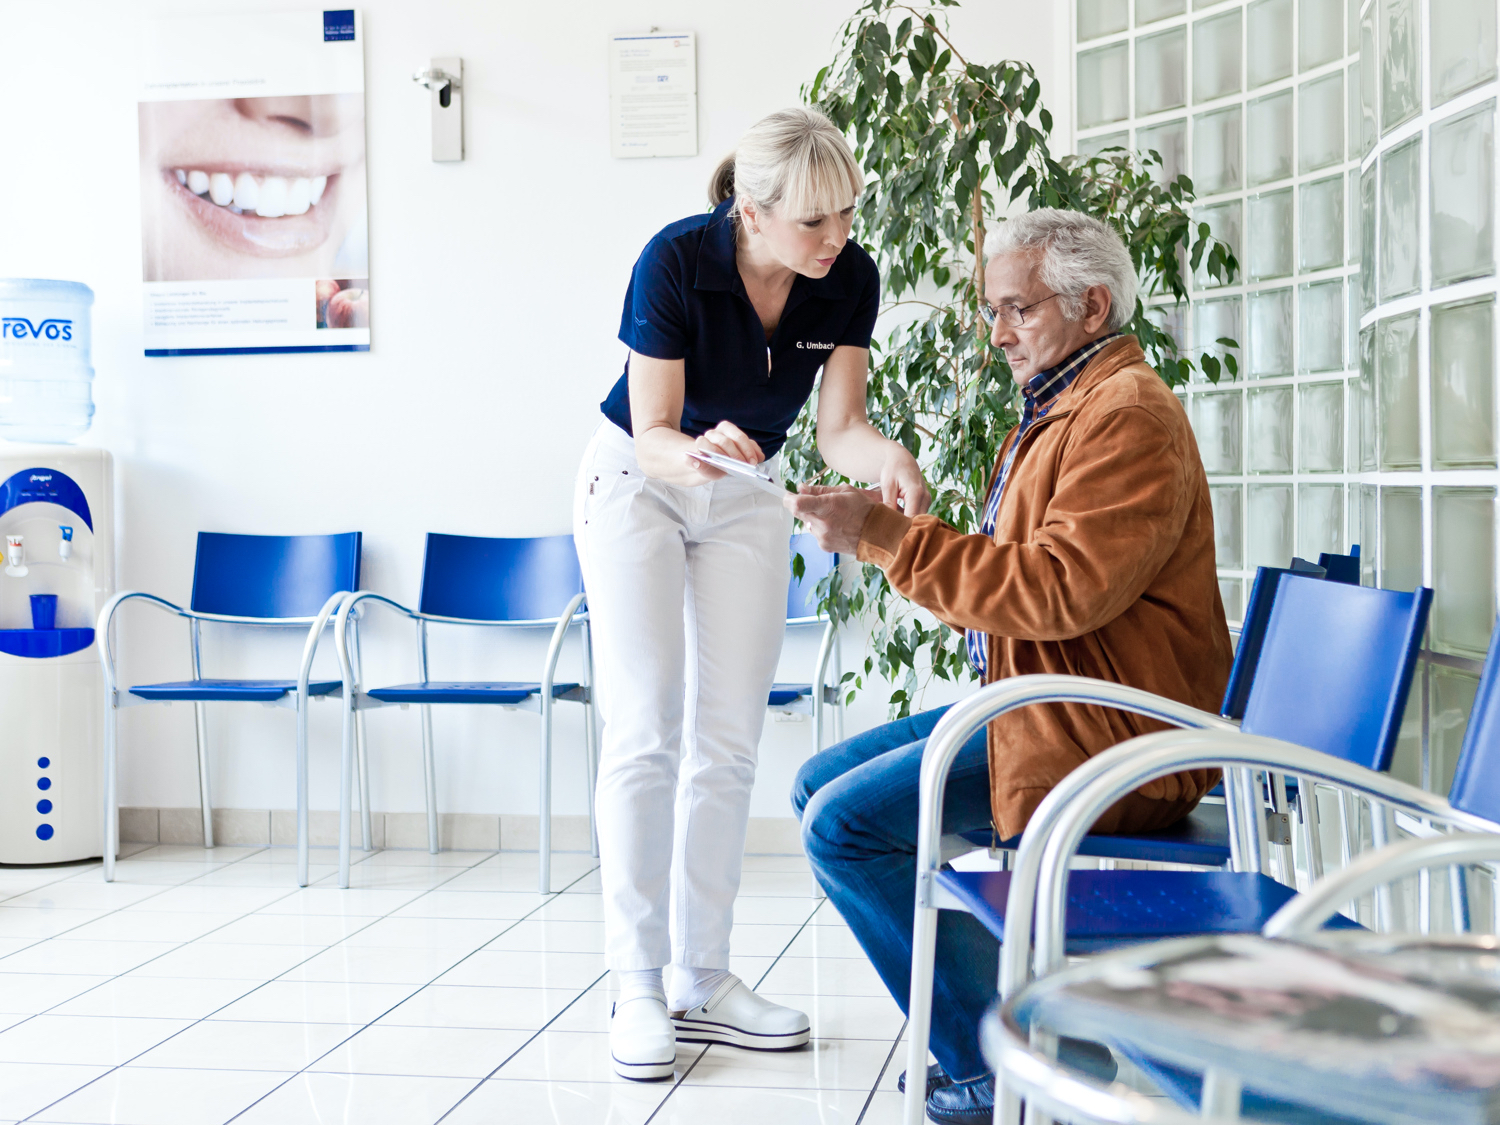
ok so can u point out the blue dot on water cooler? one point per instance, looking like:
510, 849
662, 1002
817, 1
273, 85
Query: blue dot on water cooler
44, 806
43, 763
44, 831
44, 783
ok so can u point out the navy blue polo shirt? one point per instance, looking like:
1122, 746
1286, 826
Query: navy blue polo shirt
686, 301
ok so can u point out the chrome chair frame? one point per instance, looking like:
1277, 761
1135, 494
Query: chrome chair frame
824, 694
356, 702
1038, 889
961, 721
1307, 912
115, 700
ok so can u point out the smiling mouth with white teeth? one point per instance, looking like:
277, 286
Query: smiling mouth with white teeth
270, 197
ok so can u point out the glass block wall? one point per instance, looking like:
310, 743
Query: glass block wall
1347, 153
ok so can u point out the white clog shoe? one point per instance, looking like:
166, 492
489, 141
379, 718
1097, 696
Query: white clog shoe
736, 1016
642, 1043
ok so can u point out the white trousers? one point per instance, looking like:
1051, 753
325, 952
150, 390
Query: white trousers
687, 600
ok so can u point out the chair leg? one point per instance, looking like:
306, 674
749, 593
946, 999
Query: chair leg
302, 828
362, 754
200, 721
544, 802
429, 779
346, 786
359, 743
919, 1013
589, 763
591, 736
110, 844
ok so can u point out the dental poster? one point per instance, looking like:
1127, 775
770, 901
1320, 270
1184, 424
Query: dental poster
254, 225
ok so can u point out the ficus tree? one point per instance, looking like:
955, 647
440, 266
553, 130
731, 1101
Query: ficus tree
948, 144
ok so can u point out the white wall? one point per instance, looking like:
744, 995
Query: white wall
496, 293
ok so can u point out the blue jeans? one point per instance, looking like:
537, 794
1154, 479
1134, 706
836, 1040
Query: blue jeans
858, 805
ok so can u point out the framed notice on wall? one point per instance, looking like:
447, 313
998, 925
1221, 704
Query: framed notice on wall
653, 94
254, 226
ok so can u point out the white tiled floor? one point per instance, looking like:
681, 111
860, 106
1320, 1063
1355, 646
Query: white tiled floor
204, 987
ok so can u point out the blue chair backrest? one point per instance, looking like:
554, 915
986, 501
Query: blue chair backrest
1336, 667
802, 593
1342, 568
1476, 781
1253, 634
272, 575
482, 579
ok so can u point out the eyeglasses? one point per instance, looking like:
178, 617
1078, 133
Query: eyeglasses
1012, 316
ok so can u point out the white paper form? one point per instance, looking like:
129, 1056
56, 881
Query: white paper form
653, 95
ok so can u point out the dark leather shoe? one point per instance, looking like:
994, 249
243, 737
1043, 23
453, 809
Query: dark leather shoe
1094, 1059
936, 1079
963, 1103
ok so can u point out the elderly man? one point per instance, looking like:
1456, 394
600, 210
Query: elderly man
1095, 558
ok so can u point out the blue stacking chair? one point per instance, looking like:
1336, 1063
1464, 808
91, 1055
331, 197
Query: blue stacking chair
1334, 672
801, 611
1203, 838
471, 580
264, 580
1473, 807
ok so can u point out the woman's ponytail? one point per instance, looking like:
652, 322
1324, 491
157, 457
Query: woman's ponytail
721, 183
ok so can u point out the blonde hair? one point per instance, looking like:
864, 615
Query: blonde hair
794, 162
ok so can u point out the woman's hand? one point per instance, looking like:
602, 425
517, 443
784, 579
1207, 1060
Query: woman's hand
901, 483
729, 440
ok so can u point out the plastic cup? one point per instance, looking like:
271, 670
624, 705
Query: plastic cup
44, 611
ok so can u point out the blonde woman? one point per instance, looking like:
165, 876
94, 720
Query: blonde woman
729, 317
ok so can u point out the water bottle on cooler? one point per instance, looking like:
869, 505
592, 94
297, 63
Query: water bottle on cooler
46, 381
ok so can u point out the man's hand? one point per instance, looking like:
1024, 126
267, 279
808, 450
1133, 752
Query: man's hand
834, 515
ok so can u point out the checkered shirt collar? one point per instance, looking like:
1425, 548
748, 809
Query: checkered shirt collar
1045, 386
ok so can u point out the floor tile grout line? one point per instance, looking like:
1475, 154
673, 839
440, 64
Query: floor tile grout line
457, 872
678, 1084
531, 1039
875, 1089
759, 981
116, 910
174, 949
513, 923
110, 978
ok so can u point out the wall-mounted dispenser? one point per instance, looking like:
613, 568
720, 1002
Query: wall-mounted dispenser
57, 517
444, 79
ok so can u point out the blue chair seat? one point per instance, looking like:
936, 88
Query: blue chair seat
782, 694
449, 691
234, 691
1108, 909
1201, 838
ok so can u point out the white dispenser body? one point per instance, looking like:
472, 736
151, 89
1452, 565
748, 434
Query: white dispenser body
51, 687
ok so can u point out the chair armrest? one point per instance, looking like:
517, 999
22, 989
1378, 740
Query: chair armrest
106, 619
314, 634
969, 715
554, 648
1063, 818
341, 629
1309, 910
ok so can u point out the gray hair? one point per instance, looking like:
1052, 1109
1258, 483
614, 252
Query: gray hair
1077, 252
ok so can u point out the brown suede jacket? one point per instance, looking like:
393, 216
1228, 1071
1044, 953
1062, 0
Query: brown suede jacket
1102, 565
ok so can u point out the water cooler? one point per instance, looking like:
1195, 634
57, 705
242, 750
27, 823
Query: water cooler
56, 520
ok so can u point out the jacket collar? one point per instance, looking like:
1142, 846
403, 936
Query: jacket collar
718, 268
1119, 353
